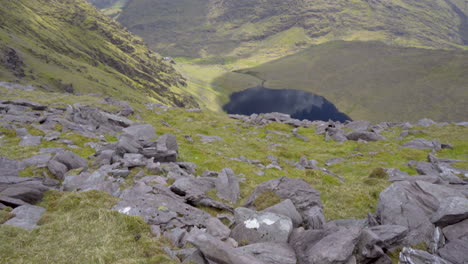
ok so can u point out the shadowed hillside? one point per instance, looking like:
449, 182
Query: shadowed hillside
199, 28
70, 46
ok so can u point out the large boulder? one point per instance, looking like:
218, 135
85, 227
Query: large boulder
97, 180
455, 251
263, 227
364, 135
26, 216
414, 256
451, 210
165, 149
421, 143
456, 231
301, 194
391, 235
9, 167
215, 251
327, 246
270, 253
412, 204
70, 160
227, 186
144, 132
287, 209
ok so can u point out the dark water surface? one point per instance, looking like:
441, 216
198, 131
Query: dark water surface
299, 104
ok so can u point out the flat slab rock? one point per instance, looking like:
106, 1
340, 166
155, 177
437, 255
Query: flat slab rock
26, 217
263, 227
270, 253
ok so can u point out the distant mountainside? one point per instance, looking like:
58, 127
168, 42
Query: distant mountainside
70, 46
238, 28
369, 80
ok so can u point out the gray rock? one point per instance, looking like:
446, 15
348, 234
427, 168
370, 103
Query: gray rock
141, 132
214, 250
263, 227
12, 202
425, 122
9, 167
217, 229
242, 214
85, 181
412, 204
369, 247
105, 157
336, 247
270, 253
332, 161
359, 125
54, 135
128, 144
456, 251
123, 173
451, 210
190, 185
421, 143
336, 134
131, 160
364, 135
391, 235
26, 217
414, 256
176, 236
160, 207
165, 149
57, 169
298, 191
51, 150
21, 132
287, 209
227, 186
39, 161
456, 231
71, 160
314, 218
209, 139
21, 191
30, 140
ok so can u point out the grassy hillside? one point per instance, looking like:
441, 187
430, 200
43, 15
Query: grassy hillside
68, 45
369, 80
239, 28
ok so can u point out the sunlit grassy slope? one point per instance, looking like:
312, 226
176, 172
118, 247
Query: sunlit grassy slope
57, 45
369, 80
240, 28
80, 228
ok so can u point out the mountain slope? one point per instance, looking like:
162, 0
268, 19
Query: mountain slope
369, 80
69, 45
245, 27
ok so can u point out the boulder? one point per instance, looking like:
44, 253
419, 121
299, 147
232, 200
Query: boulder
421, 143
24, 192
217, 229
26, 217
314, 218
451, 210
29, 140
131, 160
364, 135
127, 144
414, 256
39, 161
144, 132
165, 149
215, 251
330, 246
456, 231
335, 134
302, 195
209, 139
12, 202
9, 167
412, 204
455, 251
227, 186
190, 185
391, 235
270, 253
263, 227
57, 169
242, 214
157, 205
358, 125
425, 122
97, 180
287, 209
71, 160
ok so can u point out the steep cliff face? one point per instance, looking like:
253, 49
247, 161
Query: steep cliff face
70, 46
239, 28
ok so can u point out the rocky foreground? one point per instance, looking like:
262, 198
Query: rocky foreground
429, 208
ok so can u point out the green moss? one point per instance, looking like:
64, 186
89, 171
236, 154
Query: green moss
266, 199
379, 173
5, 216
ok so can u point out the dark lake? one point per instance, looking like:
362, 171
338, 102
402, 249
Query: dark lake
299, 104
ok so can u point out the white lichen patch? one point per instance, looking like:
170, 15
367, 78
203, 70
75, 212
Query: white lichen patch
125, 210
268, 221
251, 223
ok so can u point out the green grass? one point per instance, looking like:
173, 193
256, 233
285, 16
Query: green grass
81, 228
